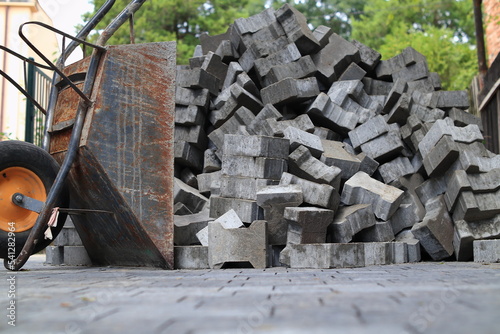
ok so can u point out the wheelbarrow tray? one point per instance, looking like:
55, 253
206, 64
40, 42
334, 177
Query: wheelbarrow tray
125, 160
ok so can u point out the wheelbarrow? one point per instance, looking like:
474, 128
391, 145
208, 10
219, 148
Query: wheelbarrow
106, 158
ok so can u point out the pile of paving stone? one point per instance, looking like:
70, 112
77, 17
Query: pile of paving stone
297, 147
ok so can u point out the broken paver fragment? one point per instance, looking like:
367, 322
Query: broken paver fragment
362, 189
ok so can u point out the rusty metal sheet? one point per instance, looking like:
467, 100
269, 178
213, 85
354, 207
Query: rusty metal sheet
125, 163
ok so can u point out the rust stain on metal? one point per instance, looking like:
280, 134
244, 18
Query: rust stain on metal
125, 163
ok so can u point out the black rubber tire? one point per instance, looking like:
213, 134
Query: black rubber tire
21, 154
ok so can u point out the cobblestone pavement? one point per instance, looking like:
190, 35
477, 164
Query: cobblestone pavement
412, 298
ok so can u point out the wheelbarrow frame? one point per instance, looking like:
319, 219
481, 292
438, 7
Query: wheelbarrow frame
84, 104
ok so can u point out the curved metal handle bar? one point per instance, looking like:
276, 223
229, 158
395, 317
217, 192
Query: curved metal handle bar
55, 191
126, 13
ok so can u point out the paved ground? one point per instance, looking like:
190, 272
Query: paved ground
411, 298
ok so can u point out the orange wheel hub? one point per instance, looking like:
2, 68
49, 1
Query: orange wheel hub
19, 180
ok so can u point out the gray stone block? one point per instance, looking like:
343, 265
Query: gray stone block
255, 22
435, 232
302, 68
368, 164
321, 195
259, 42
372, 129
194, 135
188, 196
307, 225
274, 200
188, 177
362, 189
299, 137
480, 206
189, 115
188, 155
211, 163
290, 90
239, 97
76, 256
295, 25
332, 116
256, 146
247, 210
211, 43
452, 99
288, 54
400, 111
186, 227
467, 232
256, 167
226, 51
487, 251
352, 72
350, 220
335, 155
412, 245
202, 236
322, 34
259, 125
277, 128
233, 70
391, 171
473, 160
377, 87
68, 236
319, 256
404, 217
209, 181
181, 210
237, 245
302, 164
54, 255
188, 96
334, 58
369, 57
242, 117
384, 147
441, 157
198, 78
191, 257
463, 118
416, 71
326, 134
213, 64
242, 187
381, 231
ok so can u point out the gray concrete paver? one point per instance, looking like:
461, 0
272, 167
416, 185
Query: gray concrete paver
426, 297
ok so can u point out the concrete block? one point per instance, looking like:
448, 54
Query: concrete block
256, 167
230, 220
461, 117
441, 156
188, 96
255, 22
295, 25
487, 251
290, 90
68, 236
333, 59
188, 155
377, 87
186, 227
350, 220
259, 42
341, 90
435, 232
404, 217
400, 111
412, 245
288, 54
242, 117
233, 70
226, 51
259, 125
391, 171
416, 71
322, 34
247, 210
369, 57
301, 122
256, 146
202, 236
307, 225
239, 98
323, 256
472, 161
384, 147
194, 135
198, 78
187, 176
181, 210
189, 196
323, 111
237, 245
372, 129
326, 134
242, 187
211, 163
54, 255
209, 181
213, 64
362, 189
76, 256
480, 206
299, 137
335, 155
467, 232
191, 257
211, 43
452, 99
274, 200
189, 115
302, 164
381, 231
302, 68
321, 195
352, 72
368, 164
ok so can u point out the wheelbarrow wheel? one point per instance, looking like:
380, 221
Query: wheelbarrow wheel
29, 170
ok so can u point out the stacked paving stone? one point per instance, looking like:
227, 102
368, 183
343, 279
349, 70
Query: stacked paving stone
328, 154
67, 249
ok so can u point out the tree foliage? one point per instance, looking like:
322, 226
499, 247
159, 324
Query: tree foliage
442, 30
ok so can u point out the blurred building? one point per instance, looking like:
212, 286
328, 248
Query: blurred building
12, 15
492, 28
